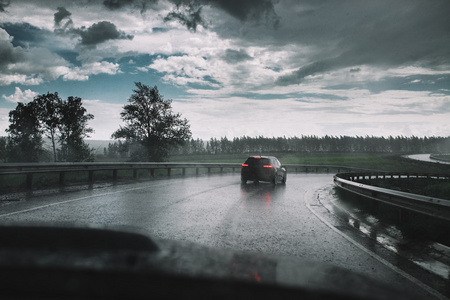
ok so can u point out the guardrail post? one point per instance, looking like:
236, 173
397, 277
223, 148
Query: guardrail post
209, 170
152, 172
115, 174
62, 176
168, 172
135, 173
184, 171
221, 169
30, 181
196, 171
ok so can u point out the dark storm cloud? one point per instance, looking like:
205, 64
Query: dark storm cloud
419, 83
311, 69
4, 4
353, 33
61, 15
233, 56
24, 34
95, 34
117, 4
188, 12
142, 5
101, 32
188, 15
9, 54
244, 10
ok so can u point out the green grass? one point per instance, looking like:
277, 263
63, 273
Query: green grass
375, 161
437, 188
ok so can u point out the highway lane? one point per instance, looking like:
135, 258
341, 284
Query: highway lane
217, 211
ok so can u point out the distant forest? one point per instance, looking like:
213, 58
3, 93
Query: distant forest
399, 144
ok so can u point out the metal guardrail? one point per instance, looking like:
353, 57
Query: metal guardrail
439, 208
30, 169
435, 207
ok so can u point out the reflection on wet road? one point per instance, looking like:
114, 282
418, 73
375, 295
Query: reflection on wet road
219, 212
430, 255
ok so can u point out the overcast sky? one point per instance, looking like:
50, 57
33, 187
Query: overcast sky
234, 68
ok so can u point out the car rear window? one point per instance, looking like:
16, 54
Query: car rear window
256, 161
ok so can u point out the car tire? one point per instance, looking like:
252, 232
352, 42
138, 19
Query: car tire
283, 181
274, 180
243, 181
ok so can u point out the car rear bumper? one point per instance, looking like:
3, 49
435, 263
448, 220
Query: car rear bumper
257, 176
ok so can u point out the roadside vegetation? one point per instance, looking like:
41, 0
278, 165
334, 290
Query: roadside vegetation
374, 161
431, 187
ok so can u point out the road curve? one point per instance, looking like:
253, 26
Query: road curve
426, 158
217, 211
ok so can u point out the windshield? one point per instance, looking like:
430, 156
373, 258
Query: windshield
143, 113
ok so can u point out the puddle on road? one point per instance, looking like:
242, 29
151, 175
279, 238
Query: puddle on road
430, 255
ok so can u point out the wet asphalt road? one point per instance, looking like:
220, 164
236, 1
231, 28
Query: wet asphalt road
217, 211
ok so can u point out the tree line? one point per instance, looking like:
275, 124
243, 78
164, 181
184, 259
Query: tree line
261, 144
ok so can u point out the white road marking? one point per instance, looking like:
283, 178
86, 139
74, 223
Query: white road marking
72, 200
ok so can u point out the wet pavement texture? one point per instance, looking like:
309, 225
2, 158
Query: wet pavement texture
296, 219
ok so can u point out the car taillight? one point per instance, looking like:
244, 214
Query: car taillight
244, 165
268, 166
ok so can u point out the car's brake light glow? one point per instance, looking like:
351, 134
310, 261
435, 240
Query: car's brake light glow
244, 165
268, 166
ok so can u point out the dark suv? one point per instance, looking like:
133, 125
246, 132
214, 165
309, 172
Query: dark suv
263, 168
